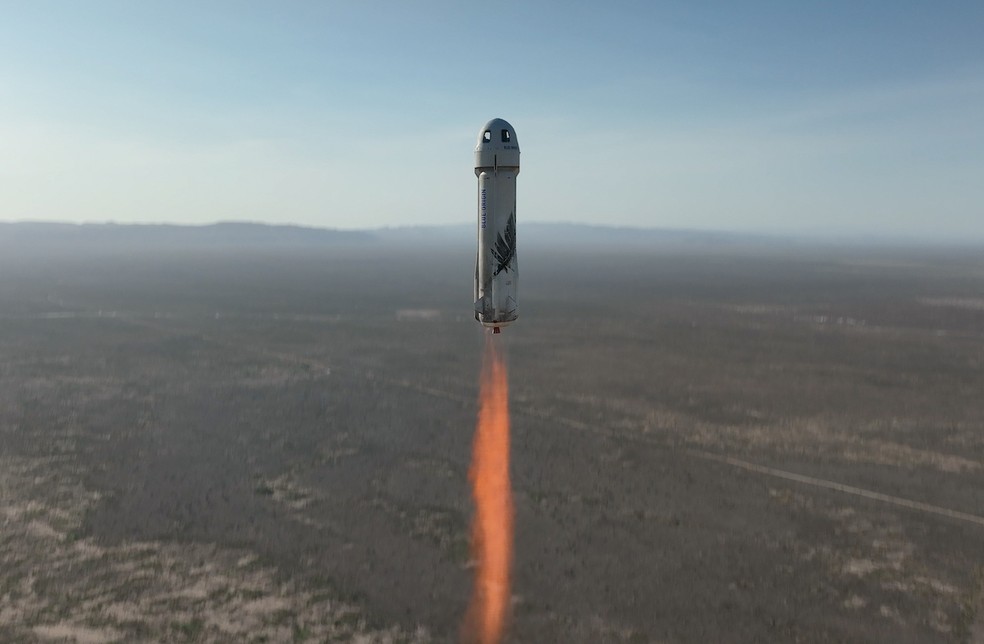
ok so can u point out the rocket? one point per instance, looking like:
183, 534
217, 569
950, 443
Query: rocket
496, 268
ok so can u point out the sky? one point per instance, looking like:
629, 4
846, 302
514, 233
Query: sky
827, 118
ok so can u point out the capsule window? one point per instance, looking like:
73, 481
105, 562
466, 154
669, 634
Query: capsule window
505, 136
488, 136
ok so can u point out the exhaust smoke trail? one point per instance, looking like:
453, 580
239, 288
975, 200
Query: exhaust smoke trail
492, 526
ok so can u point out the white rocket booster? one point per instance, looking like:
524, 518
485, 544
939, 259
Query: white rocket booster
496, 269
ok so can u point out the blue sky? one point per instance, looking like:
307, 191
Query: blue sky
848, 118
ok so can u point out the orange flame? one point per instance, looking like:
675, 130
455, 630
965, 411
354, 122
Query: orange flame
492, 527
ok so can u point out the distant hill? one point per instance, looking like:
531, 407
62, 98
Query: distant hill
23, 237
222, 234
539, 234
255, 234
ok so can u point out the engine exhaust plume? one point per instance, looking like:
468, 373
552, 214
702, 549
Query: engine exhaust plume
492, 525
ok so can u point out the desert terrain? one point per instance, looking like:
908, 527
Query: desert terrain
713, 441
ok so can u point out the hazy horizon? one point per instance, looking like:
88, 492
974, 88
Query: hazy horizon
540, 231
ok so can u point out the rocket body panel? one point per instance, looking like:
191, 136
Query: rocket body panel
496, 268
497, 264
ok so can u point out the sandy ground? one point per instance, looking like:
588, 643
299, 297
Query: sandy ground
734, 454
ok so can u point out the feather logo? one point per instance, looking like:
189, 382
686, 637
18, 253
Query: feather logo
505, 246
